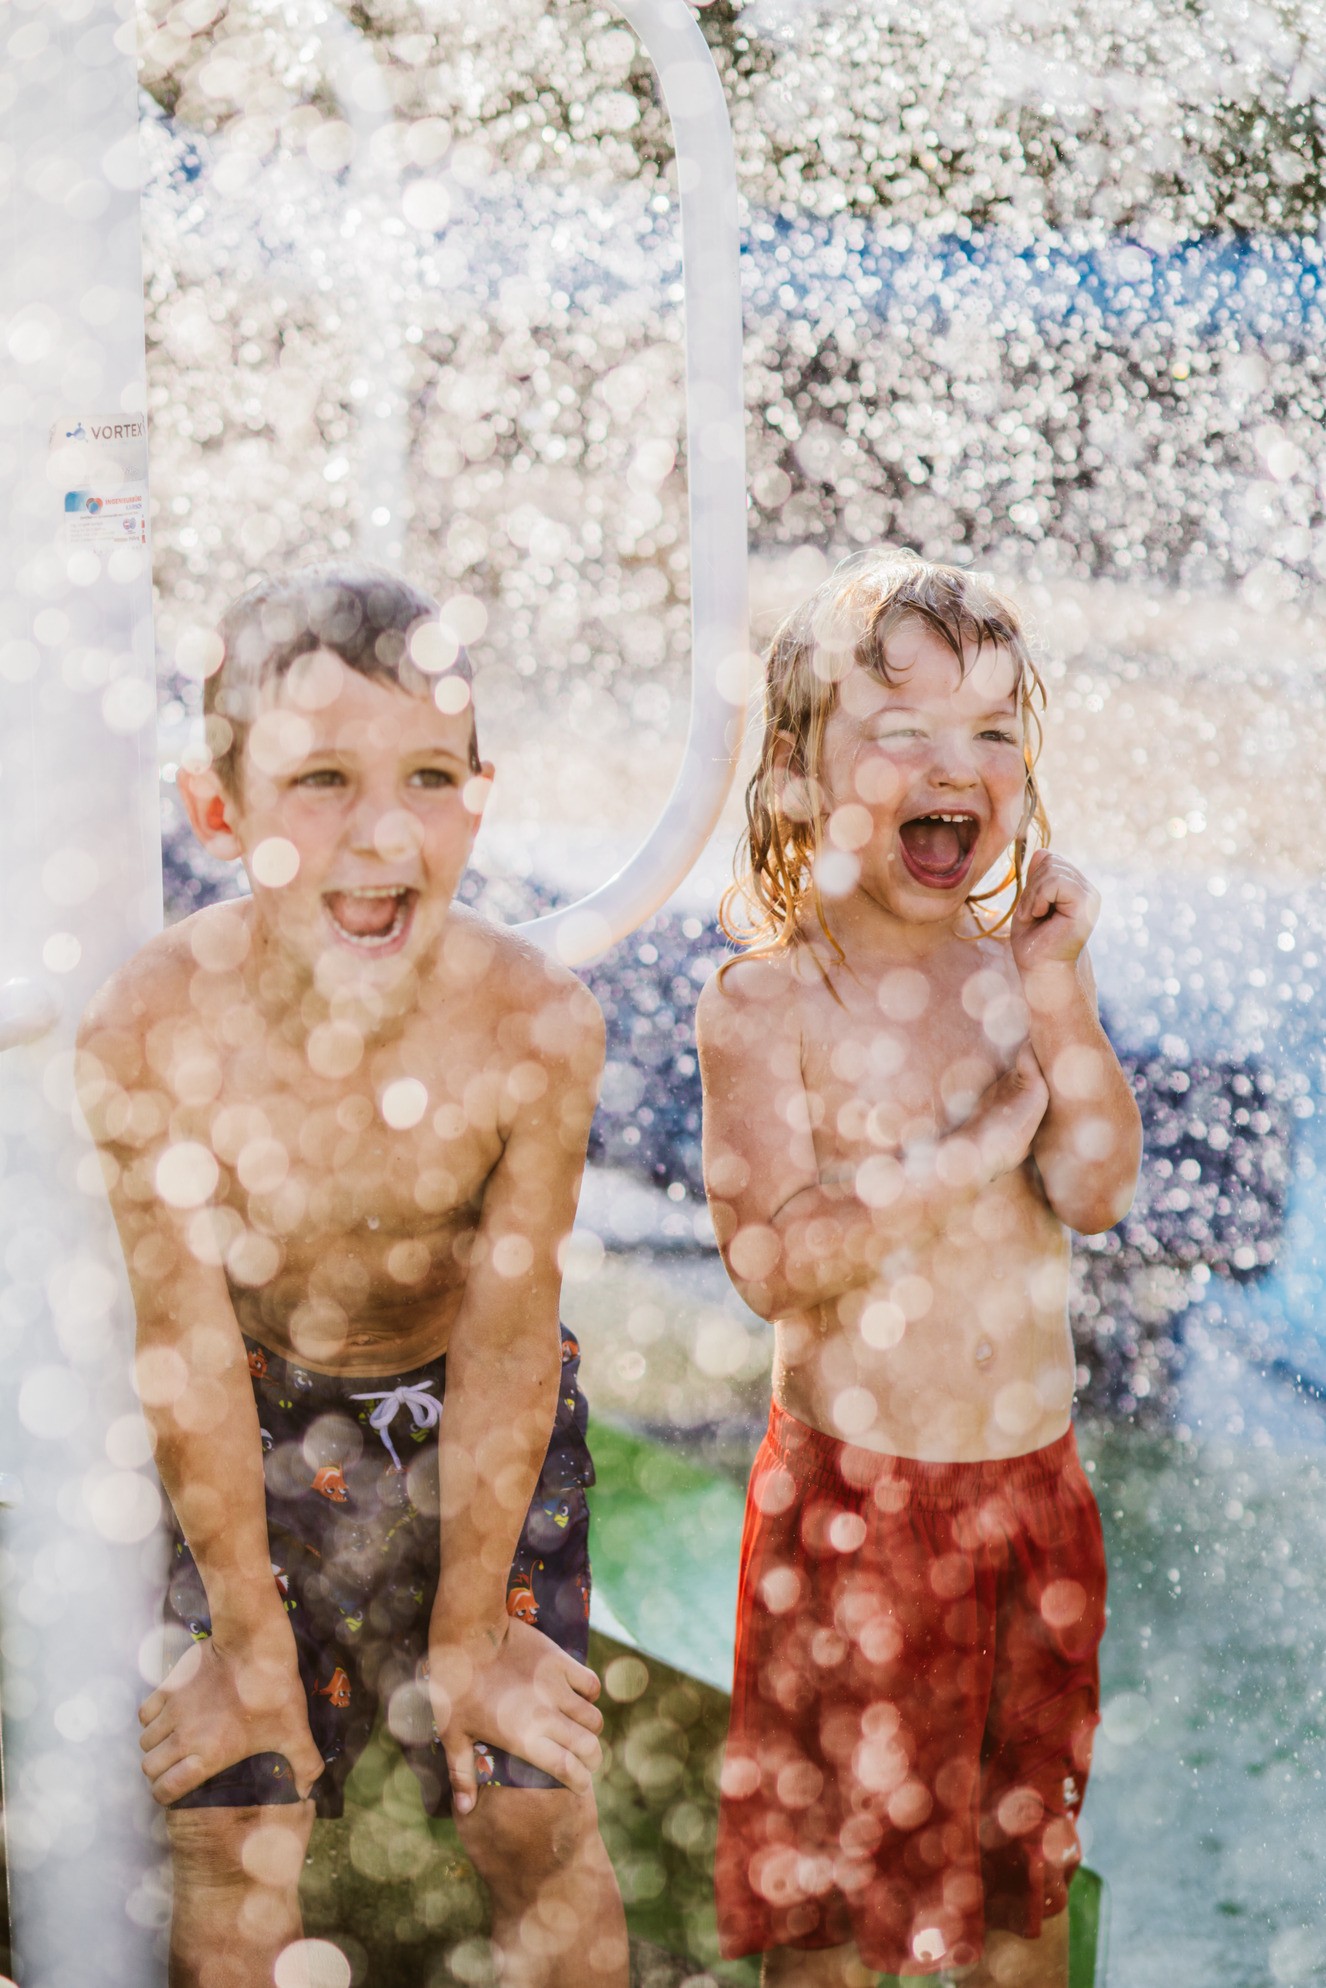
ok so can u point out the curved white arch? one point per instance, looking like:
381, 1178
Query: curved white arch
716, 457
716, 469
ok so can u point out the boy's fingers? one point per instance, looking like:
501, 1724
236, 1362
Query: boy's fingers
306, 1764
152, 1707
167, 1754
582, 1745
573, 1773
464, 1781
584, 1714
176, 1781
583, 1680
561, 1762
153, 1735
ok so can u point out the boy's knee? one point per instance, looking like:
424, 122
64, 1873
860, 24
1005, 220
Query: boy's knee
223, 1848
537, 1832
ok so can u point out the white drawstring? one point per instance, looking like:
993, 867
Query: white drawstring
425, 1409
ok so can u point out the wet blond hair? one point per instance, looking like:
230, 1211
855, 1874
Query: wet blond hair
848, 620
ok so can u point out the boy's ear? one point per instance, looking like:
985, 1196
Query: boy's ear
211, 811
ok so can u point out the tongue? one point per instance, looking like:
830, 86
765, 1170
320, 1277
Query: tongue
933, 845
364, 917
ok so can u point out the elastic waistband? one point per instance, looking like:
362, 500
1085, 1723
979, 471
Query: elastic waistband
309, 1381
316, 1381
823, 1462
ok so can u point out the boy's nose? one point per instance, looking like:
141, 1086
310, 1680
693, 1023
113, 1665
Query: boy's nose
954, 763
391, 833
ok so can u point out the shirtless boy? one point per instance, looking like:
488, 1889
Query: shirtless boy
905, 1111
343, 1121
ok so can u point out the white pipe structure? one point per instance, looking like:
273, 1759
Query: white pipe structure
716, 469
80, 889
716, 454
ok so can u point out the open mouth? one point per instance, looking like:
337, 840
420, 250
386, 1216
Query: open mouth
937, 848
373, 920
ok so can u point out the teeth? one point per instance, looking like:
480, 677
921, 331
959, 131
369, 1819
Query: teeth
399, 894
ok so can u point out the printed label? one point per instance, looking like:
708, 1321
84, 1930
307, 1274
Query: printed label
117, 518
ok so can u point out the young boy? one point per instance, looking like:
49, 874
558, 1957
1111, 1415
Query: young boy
343, 1121
905, 1109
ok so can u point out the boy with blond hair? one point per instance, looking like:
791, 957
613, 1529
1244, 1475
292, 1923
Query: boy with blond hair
343, 1121
908, 1102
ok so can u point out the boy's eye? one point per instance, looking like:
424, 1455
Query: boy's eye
432, 776
322, 776
1003, 737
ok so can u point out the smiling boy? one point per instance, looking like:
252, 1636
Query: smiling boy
906, 1108
343, 1122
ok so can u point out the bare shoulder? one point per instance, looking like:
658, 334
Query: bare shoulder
528, 1001
746, 997
147, 989
149, 994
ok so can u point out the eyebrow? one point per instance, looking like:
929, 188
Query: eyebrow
1009, 709
413, 752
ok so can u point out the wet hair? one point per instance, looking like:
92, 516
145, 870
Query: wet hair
848, 620
367, 616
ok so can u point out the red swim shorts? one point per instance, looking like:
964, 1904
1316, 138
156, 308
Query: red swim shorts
914, 1703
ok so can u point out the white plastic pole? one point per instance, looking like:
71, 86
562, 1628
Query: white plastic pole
80, 888
716, 466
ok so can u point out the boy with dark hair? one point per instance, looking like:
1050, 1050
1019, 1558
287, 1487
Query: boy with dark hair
908, 1102
343, 1122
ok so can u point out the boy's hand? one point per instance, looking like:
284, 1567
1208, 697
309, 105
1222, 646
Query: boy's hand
519, 1692
220, 1705
1008, 1116
1055, 915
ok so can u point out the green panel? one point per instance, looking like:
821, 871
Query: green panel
665, 1547
1088, 1916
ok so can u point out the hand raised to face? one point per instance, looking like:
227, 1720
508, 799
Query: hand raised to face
1055, 916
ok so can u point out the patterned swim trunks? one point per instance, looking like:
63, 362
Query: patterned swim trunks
352, 1521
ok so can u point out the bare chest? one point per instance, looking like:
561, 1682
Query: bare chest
886, 1073
349, 1201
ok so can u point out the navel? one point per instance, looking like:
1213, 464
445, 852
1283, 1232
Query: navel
984, 1352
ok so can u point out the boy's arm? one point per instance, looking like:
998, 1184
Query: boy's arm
494, 1678
793, 1235
1089, 1145
238, 1693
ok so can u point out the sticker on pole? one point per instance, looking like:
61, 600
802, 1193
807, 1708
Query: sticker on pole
99, 465
119, 518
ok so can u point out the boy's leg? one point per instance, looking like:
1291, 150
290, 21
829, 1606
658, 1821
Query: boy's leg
1009, 1962
557, 1912
236, 1877
828, 1967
